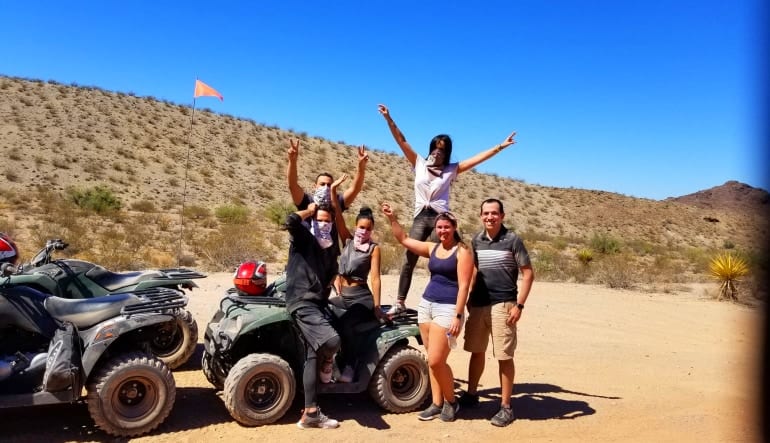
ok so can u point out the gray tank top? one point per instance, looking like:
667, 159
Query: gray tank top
354, 264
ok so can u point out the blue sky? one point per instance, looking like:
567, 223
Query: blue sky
650, 99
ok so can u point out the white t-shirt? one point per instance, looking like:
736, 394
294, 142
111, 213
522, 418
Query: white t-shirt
431, 190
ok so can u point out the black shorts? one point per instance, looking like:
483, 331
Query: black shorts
315, 323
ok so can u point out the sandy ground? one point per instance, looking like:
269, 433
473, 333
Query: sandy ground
593, 364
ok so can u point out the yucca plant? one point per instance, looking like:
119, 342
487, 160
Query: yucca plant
585, 256
727, 269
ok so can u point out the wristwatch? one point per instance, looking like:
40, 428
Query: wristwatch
520, 306
459, 316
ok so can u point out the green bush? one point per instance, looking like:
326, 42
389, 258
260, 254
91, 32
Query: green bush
232, 214
99, 199
277, 211
605, 244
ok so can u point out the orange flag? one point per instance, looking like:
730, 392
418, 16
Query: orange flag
204, 90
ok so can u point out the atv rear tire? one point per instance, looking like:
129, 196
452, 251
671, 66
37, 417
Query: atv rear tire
401, 382
175, 340
259, 389
213, 371
131, 394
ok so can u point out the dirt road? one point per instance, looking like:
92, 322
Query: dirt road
593, 364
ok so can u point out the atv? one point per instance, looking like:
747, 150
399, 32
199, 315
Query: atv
51, 347
254, 352
174, 341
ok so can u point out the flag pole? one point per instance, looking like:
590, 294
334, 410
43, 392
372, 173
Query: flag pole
184, 193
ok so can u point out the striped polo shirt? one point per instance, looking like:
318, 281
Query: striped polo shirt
497, 262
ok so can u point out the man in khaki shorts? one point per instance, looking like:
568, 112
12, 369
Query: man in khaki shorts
495, 304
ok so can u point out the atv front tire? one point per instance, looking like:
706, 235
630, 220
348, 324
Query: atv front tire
259, 389
131, 394
175, 340
401, 382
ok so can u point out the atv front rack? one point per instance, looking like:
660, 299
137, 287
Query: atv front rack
156, 300
182, 273
233, 295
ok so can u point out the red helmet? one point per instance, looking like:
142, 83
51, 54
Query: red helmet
251, 277
8, 251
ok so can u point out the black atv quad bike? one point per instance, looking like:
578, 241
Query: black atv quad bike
50, 347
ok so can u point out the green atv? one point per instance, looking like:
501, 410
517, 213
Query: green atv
255, 353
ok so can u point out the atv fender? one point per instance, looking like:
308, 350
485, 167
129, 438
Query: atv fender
97, 339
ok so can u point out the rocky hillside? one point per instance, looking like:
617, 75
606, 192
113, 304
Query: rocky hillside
732, 195
56, 137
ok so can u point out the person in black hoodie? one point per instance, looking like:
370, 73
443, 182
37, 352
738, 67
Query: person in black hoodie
310, 272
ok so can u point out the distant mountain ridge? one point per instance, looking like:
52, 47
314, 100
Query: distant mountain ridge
732, 195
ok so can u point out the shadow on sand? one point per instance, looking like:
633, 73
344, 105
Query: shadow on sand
532, 401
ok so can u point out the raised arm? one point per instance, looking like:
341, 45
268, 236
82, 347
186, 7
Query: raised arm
291, 172
339, 220
358, 182
374, 276
477, 159
420, 248
398, 136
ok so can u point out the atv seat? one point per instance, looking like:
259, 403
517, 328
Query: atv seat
113, 281
87, 312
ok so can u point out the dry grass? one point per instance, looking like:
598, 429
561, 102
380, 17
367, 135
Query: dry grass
56, 137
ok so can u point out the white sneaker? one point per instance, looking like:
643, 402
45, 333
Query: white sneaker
347, 375
319, 421
396, 308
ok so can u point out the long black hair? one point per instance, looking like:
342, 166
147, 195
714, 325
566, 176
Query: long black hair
447, 147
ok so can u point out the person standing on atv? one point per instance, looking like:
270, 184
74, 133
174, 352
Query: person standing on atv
321, 192
360, 260
311, 268
442, 308
433, 178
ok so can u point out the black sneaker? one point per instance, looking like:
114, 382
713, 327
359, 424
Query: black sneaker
317, 420
468, 399
449, 411
504, 417
432, 412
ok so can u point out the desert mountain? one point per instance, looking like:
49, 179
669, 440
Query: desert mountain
55, 138
732, 195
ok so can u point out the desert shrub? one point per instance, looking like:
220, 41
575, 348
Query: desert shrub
143, 206
227, 247
196, 212
699, 258
98, 199
585, 256
616, 271
232, 214
11, 175
549, 264
604, 243
277, 211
